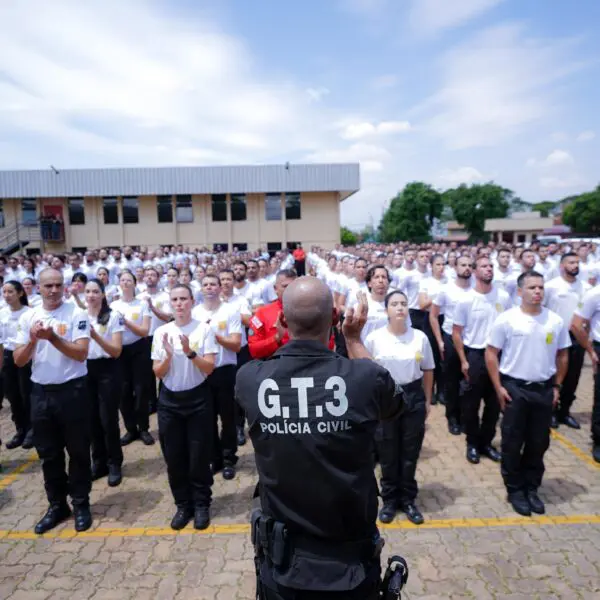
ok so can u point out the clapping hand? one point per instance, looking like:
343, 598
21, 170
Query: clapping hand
168, 346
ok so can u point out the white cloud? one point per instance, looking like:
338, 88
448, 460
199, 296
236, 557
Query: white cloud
454, 177
557, 158
431, 16
586, 136
317, 94
370, 156
90, 83
356, 131
561, 183
494, 86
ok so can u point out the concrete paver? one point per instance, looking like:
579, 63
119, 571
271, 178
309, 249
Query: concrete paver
471, 546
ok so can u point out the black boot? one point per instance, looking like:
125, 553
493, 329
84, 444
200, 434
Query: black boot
56, 514
182, 517
28, 441
83, 518
387, 513
16, 441
114, 475
201, 517
520, 504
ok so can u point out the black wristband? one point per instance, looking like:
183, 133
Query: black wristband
192, 355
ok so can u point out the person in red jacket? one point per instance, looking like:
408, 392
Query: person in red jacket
266, 333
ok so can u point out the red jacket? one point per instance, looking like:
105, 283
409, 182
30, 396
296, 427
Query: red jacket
262, 331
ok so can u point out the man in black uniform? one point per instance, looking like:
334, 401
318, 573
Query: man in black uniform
312, 417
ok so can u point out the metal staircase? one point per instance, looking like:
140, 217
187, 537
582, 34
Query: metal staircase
17, 234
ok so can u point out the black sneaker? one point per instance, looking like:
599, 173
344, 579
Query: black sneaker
228, 472
147, 438
387, 513
201, 517
491, 453
16, 441
520, 504
56, 514
596, 453
569, 421
130, 437
114, 475
28, 441
182, 517
473, 455
454, 427
535, 502
413, 513
83, 518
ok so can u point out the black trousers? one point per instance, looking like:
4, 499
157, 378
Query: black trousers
567, 394
399, 444
135, 395
300, 266
479, 386
452, 379
525, 434
418, 318
60, 416
104, 386
596, 407
185, 430
438, 378
243, 356
17, 386
152, 389
367, 590
221, 383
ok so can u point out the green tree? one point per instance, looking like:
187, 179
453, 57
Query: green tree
583, 214
472, 205
348, 237
411, 214
544, 208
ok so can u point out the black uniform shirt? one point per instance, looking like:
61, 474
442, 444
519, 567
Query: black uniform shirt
312, 417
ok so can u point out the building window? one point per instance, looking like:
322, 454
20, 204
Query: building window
164, 208
130, 210
220, 247
111, 211
273, 247
79, 249
292, 245
238, 207
273, 207
184, 211
292, 206
28, 211
240, 247
2, 223
219, 207
76, 211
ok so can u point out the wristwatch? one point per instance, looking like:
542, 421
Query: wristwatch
192, 355
557, 386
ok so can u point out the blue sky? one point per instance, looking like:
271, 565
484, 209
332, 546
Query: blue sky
445, 91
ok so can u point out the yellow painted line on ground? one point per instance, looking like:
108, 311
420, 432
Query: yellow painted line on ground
10, 477
243, 528
578, 452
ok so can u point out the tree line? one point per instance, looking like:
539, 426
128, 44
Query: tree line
415, 211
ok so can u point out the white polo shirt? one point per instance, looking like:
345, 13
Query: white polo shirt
114, 325
224, 321
183, 374
133, 311
529, 343
590, 310
477, 312
447, 299
9, 324
49, 365
564, 298
404, 356
162, 301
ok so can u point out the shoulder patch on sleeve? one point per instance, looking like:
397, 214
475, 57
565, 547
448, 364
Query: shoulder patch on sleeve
82, 325
256, 323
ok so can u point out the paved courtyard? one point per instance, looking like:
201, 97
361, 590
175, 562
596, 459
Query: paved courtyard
471, 546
